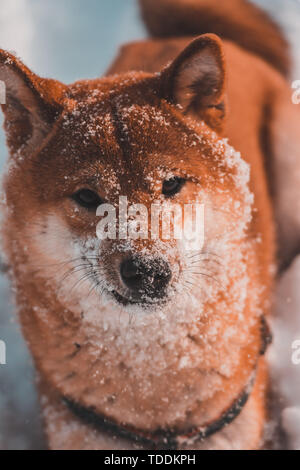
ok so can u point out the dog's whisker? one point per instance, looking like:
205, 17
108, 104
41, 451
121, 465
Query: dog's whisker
205, 263
202, 258
74, 270
206, 275
199, 252
50, 265
85, 277
193, 267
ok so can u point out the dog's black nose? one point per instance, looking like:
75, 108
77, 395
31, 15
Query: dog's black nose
146, 277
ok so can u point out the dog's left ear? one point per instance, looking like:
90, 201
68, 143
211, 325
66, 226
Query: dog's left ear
195, 80
30, 103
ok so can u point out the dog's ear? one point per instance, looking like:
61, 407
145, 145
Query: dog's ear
30, 103
195, 80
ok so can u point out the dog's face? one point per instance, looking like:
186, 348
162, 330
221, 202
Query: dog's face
126, 326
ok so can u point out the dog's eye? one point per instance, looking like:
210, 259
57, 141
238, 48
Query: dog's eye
87, 198
172, 186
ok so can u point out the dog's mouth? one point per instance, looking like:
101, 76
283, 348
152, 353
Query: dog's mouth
125, 300
143, 301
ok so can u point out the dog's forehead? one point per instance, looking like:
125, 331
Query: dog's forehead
129, 128
126, 127
130, 109
136, 122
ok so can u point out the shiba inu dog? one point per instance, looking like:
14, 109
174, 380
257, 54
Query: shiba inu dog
141, 342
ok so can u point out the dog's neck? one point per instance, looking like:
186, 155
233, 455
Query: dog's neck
67, 430
66, 421
163, 439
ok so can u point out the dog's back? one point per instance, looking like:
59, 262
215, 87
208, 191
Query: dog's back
236, 20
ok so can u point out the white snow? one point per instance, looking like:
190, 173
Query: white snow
290, 419
285, 371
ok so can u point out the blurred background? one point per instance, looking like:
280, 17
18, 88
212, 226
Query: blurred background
69, 40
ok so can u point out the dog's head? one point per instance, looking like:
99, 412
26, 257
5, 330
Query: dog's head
124, 314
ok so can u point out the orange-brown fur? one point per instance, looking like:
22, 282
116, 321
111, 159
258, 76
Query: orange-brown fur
72, 143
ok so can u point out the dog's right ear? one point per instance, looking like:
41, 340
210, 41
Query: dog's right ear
196, 79
31, 104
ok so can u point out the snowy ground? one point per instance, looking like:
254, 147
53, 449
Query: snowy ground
61, 39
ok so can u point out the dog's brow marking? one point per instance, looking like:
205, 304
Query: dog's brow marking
121, 135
